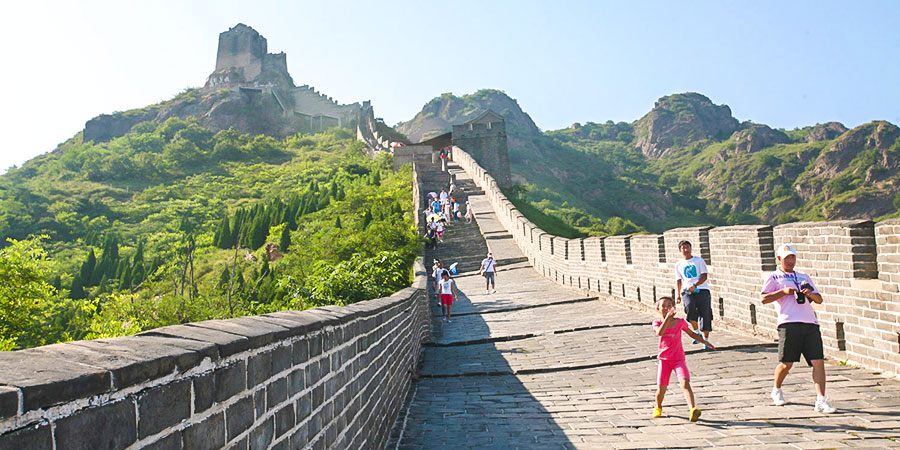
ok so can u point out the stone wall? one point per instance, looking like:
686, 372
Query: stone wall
855, 264
330, 377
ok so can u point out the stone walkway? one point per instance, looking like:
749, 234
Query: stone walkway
537, 365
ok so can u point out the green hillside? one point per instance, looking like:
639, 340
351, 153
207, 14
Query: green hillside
171, 223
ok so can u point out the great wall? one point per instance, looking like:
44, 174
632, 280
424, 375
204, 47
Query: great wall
561, 357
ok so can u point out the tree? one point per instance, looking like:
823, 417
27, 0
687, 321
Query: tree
137, 274
222, 237
76, 292
337, 222
285, 242
87, 268
367, 219
25, 298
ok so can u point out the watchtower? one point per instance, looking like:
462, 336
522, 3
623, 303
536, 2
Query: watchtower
484, 137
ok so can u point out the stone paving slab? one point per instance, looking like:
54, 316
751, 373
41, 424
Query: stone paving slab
558, 350
581, 375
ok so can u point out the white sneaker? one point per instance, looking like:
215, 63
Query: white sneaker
824, 406
487, 292
778, 397
493, 291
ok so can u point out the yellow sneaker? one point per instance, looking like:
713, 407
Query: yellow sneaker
695, 414
657, 412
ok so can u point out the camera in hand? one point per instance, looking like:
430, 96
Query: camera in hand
801, 297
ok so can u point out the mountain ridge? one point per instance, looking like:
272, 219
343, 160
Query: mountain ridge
698, 153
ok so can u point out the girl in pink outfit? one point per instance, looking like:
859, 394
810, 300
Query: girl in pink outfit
671, 355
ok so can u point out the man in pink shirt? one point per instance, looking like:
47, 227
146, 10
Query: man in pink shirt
798, 330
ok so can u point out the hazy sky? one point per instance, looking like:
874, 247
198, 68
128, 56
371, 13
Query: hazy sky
786, 64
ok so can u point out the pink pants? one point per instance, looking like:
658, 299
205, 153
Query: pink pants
666, 367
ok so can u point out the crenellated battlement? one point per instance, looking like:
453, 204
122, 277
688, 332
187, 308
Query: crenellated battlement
855, 264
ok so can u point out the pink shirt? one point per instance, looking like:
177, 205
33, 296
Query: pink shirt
670, 348
787, 307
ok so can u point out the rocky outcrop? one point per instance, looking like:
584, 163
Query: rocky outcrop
879, 136
680, 119
441, 113
108, 126
825, 132
755, 137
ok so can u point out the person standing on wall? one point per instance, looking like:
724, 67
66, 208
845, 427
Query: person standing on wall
690, 277
489, 270
798, 329
448, 293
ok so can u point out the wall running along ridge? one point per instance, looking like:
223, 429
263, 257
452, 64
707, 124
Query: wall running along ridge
854, 263
330, 377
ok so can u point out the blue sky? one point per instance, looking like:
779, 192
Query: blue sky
786, 64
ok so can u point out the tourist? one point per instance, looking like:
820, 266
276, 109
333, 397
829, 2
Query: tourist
671, 355
452, 188
444, 196
436, 206
690, 277
798, 330
439, 228
448, 210
469, 214
436, 270
456, 210
489, 270
430, 237
448, 291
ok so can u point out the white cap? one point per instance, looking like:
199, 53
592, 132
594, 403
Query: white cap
490, 255
786, 249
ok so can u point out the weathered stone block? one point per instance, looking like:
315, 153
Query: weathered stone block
206, 435
296, 382
300, 437
111, 426
276, 392
173, 441
303, 407
260, 332
300, 352
281, 359
243, 444
315, 345
230, 380
163, 406
284, 420
240, 416
226, 343
259, 369
262, 435
46, 380
9, 402
259, 402
35, 437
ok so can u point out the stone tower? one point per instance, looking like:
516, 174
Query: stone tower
242, 57
484, 137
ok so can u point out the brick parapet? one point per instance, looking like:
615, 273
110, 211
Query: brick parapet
325, 377
855, 263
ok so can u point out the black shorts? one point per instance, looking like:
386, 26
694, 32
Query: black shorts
797, 338
698, 305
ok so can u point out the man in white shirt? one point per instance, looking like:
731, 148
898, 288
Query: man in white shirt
798, 329
489, 270
690, 278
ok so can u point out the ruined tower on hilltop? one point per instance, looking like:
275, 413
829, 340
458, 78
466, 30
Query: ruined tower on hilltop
484, 137
243, 62
242, 58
